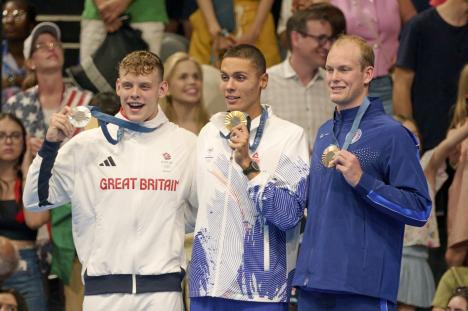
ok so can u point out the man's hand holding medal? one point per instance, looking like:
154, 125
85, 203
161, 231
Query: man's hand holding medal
236, 123
347, 164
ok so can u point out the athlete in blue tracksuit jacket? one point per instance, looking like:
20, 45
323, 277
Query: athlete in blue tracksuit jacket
351, 251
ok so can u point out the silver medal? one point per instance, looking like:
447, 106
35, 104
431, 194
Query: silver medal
80, 116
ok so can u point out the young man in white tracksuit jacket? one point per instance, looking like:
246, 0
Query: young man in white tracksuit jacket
252, 193
128, 199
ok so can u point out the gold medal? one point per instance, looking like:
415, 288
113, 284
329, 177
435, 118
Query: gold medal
234, 118
80, 116
328, 155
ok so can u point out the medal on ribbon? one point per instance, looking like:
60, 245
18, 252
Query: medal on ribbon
80, 116
233, 119
330, 152
328, 155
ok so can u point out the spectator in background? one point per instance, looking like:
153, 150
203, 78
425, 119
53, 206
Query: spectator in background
254, 25
9, 259
416, 279
379, 23
102, 16
297, 89
453, 278
459, 300
18, 19
34, 106
183, 104
457, 228
18, 225
44, 56
12, 300
433, 50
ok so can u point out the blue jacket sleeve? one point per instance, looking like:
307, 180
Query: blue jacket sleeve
281, 196
404, 196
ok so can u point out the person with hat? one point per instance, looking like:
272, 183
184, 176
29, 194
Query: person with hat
129, 184
44, 57
34, 106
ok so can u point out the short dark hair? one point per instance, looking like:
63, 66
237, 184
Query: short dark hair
142, 63
20, 301
250, 52
316, 12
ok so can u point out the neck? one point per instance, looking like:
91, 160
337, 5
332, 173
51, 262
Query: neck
254, 111
7, 170
304, 70
184, 112
50, 83
355, 103
454, 12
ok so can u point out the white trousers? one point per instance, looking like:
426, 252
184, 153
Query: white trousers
164, 301
93, 33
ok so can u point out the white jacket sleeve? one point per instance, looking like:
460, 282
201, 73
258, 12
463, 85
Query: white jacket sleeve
50, 178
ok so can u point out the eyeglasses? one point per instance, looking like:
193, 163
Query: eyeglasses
48, 45
15, 137
321, 40
15, 14
8, 307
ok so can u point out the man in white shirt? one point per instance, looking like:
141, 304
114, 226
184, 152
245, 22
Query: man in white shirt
296, 89
128, 195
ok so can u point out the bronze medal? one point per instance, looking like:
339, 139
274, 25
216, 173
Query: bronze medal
328, 155
234, 118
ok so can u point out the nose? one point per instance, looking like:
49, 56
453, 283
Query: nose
135, 93
8, 19
230, 84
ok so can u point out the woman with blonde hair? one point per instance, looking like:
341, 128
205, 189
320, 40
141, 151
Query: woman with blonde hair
457, 230
184, 105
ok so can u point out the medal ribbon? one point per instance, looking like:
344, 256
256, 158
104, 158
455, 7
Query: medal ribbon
354, 127
258, 134
105, 119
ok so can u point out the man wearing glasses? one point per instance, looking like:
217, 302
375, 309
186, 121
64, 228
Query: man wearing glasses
296, 89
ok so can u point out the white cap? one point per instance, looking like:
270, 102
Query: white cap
45, 27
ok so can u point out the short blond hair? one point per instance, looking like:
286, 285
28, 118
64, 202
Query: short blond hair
141, 63
367, 53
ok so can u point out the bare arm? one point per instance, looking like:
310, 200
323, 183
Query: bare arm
206, 7
253, 32
443, 150
110, 10
403, 81
33, 219
407, 10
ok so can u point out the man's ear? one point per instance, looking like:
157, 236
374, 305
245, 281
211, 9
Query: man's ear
163, 89
368, 74
264, 80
